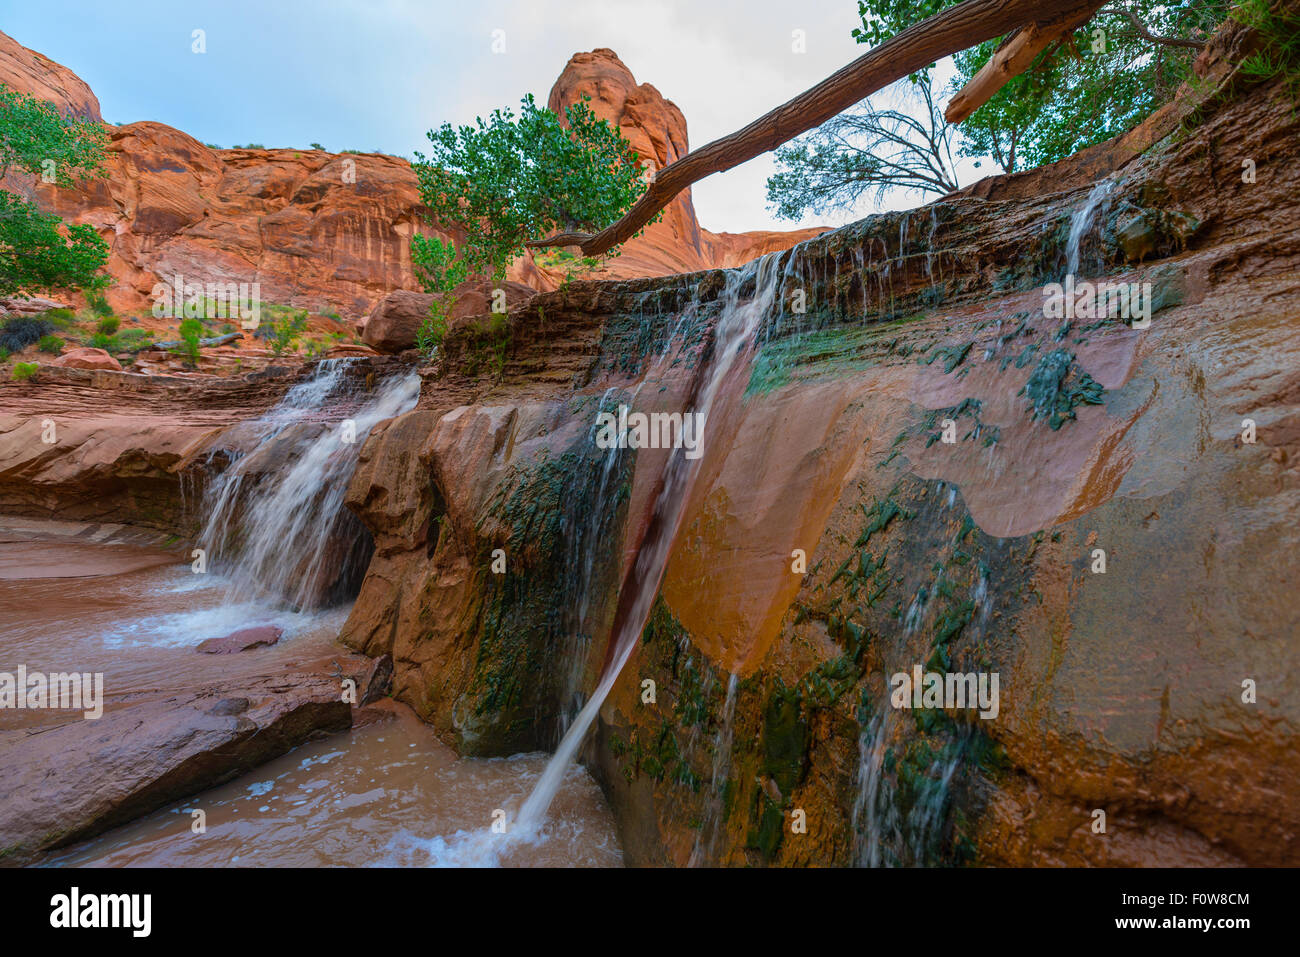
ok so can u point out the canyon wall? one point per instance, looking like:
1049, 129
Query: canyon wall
329, 232
1105, 531
834, 536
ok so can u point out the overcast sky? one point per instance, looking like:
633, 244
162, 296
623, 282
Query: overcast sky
377, 74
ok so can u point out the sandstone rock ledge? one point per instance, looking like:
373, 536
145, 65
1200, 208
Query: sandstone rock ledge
82, 778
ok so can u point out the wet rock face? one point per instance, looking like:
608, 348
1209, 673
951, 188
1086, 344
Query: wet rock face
924, 470
473, 590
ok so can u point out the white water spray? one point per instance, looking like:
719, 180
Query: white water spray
286, 525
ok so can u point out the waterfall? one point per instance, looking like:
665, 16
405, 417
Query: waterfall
585, 527
900, 814
707, 838
733, 335
1080, 221
286, 532
872, 817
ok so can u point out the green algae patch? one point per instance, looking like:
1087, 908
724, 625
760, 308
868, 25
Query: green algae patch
1057, 386
785, 739
819, 354
525, 623
952, 356
765, 836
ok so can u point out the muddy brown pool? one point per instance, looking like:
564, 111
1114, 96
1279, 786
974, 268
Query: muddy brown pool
385, 794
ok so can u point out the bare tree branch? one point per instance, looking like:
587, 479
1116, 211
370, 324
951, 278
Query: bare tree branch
867, 150
1150, 37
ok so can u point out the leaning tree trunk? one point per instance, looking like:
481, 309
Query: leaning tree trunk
921, 44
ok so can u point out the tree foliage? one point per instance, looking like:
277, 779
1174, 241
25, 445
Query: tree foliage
509, 179
1100, 81
1277, 53
439, 271
37, 250
191, 331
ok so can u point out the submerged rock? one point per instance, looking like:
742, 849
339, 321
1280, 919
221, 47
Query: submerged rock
258, 636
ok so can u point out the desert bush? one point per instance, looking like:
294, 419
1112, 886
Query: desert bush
21, 331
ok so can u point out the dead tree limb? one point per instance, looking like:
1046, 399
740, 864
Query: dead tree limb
205, 343
921, 44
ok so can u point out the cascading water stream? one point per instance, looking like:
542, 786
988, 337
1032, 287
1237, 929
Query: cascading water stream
589, 526
733, 336
1080, 221
888, 829
707, 837
872, 817
280, 534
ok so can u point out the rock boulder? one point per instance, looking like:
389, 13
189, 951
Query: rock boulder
245, 639
87, 357
395, 322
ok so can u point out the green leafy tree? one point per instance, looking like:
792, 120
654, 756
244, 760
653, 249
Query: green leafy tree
283, 333
510, 179
1098, 82
98, 304
439, 272
191, 332
37, 250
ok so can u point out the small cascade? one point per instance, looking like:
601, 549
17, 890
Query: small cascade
929, 246
585, 528
1081, 221
900, 815
288, 534
872, 817
705, 849
734, 334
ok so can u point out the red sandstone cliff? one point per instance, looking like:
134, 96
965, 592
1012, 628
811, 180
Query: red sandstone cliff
321, 230
29, 72
656, 129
